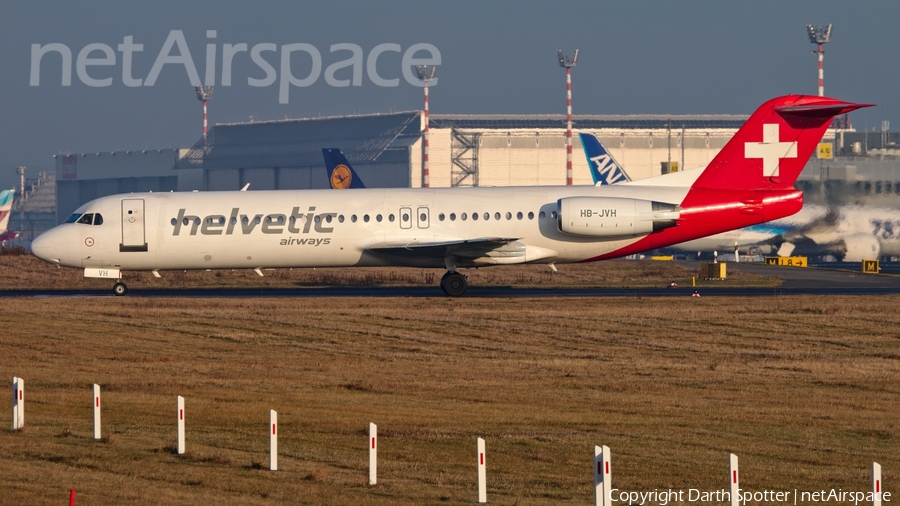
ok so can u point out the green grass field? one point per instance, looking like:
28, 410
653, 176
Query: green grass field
803, 389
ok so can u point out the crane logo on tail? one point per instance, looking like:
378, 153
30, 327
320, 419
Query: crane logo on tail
341, 177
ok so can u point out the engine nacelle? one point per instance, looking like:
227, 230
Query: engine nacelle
859, 247
613, 216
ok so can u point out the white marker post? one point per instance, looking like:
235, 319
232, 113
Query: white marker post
96, 404
876, 484
15, 404
733, 479
273, 440
373, 454
482, 473
18, 403
180, 425
602, 476
598, 476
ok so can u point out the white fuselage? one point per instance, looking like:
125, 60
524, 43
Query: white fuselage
328, 228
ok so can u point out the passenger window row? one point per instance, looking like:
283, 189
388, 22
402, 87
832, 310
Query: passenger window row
279, 219
486, 216
879, 187
441, 217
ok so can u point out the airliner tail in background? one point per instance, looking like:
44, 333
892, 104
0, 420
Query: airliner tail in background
6, 202
604, 168
340, 173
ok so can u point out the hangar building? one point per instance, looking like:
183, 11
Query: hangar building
465, 150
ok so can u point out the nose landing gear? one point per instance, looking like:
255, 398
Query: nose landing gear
119, 288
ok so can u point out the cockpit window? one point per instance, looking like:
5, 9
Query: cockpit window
86, 219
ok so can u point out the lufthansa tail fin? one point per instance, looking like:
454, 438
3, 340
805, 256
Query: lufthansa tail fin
605, 169
773, 146
340, 173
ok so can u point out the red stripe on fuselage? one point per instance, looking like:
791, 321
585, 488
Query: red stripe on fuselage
715, 211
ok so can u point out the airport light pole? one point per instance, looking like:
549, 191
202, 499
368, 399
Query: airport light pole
819, 35
425, 73
568, 63
204, 93
20, 170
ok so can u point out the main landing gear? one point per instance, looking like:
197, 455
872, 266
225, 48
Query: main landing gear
119, 288
454, 284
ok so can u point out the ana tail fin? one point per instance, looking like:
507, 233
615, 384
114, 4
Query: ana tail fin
605, 169
340, 173
774, 144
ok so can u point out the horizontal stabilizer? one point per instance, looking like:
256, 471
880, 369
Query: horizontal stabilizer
823, 110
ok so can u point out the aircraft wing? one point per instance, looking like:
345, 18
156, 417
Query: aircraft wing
472, 248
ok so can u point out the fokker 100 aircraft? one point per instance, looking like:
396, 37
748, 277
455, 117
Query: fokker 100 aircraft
750, 181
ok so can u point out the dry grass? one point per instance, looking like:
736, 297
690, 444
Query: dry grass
804, 389
20, 271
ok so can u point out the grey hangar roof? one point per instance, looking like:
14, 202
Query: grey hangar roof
386, 138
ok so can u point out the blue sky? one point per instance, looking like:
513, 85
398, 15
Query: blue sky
496, 57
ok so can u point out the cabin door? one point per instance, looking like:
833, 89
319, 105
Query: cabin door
134, 234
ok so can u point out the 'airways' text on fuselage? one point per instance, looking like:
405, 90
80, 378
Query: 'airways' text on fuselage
218, 224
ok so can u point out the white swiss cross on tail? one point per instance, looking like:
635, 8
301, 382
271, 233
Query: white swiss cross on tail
770, 150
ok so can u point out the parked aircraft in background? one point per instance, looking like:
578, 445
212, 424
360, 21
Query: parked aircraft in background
6, 201
604, 168
750, 181
851, 233
340, 173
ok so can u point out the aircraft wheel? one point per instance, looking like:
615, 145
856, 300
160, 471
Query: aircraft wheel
454, 284
120, 288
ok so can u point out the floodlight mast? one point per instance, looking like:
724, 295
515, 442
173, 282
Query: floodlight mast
20, 170
204, 93
567, 63
819, 35
425, 73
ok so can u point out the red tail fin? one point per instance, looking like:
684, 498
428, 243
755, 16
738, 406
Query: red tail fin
771, 148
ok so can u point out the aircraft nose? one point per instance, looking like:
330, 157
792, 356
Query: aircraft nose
43, 247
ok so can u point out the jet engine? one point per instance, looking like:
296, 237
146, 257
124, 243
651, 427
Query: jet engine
613, 216
859, 247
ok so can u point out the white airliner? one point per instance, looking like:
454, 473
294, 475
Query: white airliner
750, 181
852, 233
